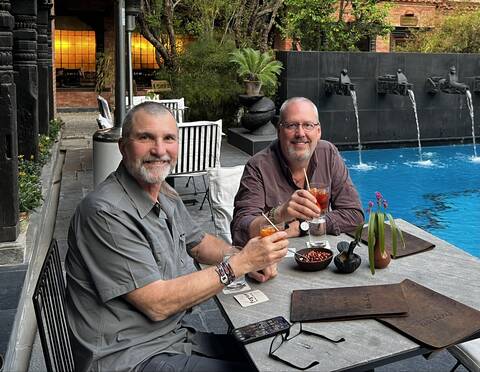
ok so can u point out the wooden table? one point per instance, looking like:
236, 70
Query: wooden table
445, 269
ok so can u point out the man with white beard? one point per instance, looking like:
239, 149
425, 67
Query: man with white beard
129, 273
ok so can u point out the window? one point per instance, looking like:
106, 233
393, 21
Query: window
143, 53
75, 49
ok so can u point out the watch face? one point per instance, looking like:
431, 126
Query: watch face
304, 226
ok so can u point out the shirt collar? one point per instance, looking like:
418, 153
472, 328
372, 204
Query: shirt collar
140, 198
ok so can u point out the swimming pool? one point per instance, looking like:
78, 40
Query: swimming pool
441, 195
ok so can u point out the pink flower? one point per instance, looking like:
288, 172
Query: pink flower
370, 204
378, 195
385, 204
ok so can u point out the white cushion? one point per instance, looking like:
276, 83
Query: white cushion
223, 183
468, 353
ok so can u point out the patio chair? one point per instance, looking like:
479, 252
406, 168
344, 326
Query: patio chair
199, 149
49, 305
467, 354
137, 100
106, 120
176, 106
223, 186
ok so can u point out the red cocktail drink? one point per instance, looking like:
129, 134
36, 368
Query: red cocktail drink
322, 195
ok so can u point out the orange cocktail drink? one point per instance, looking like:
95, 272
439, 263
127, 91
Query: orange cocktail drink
269, 229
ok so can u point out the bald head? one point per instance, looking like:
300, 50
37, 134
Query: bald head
295, 100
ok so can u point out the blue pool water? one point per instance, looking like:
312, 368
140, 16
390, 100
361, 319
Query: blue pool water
441, 196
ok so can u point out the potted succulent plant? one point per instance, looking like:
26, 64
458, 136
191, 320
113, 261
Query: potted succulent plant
256, 68
378, 256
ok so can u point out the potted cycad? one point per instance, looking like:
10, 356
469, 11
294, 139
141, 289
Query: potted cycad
378, 256
256, 69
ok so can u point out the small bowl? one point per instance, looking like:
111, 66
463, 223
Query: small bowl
313, 265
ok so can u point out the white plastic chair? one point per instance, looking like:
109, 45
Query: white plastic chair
176, 106
223, 186
467, 354
199, 145
105, 120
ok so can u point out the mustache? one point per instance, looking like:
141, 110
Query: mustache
300, 140
156, 158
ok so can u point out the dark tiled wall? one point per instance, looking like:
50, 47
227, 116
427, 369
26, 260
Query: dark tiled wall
384, 119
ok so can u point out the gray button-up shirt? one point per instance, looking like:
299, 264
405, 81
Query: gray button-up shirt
120, 240
267, 182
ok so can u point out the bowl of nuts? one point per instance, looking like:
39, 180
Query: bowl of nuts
313, 259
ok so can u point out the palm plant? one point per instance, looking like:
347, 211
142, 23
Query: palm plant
256, 66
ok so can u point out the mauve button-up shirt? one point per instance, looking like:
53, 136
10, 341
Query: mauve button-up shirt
267, 182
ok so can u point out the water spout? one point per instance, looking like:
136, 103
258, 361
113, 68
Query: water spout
449, 85
394, 84
414, 104
470, 108
355, 107
341, 85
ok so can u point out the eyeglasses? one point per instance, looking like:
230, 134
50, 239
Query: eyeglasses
294, 330
292, 127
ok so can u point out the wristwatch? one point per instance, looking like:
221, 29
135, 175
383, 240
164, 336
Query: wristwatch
303, 226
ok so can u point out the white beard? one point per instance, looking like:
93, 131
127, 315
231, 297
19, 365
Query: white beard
155, 176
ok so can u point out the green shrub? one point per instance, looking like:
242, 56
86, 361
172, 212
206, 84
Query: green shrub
29, 184
456, 33
207, 81
29, 171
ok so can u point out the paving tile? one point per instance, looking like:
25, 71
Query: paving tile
7, 318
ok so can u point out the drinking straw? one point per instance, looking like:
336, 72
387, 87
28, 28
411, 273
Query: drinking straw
306, 178
268, 219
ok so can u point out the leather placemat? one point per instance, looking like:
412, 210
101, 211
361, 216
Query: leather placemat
413, 244
434, 319
348, 303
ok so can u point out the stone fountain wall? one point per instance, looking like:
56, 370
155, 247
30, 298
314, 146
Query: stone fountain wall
385, 120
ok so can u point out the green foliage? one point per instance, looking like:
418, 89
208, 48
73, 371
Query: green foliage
29, 171
253, 21
453, 34
334, 25
253, 65
207, 17
207, 81
29, 184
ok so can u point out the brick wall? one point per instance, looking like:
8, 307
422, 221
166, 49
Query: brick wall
79, 99
425, 13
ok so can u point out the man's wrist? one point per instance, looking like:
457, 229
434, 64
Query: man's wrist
272, 215
225, 273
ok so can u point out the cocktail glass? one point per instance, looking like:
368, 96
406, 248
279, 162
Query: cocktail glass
322, 195
267, 229
318, 230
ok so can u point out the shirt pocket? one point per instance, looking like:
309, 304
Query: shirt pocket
162, 253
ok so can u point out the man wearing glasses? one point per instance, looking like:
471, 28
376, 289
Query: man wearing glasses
130, 278
274, 181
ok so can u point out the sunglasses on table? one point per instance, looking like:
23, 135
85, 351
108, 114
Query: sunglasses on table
283, 338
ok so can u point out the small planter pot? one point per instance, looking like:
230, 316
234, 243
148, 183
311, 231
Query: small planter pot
252, 88
381, 261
